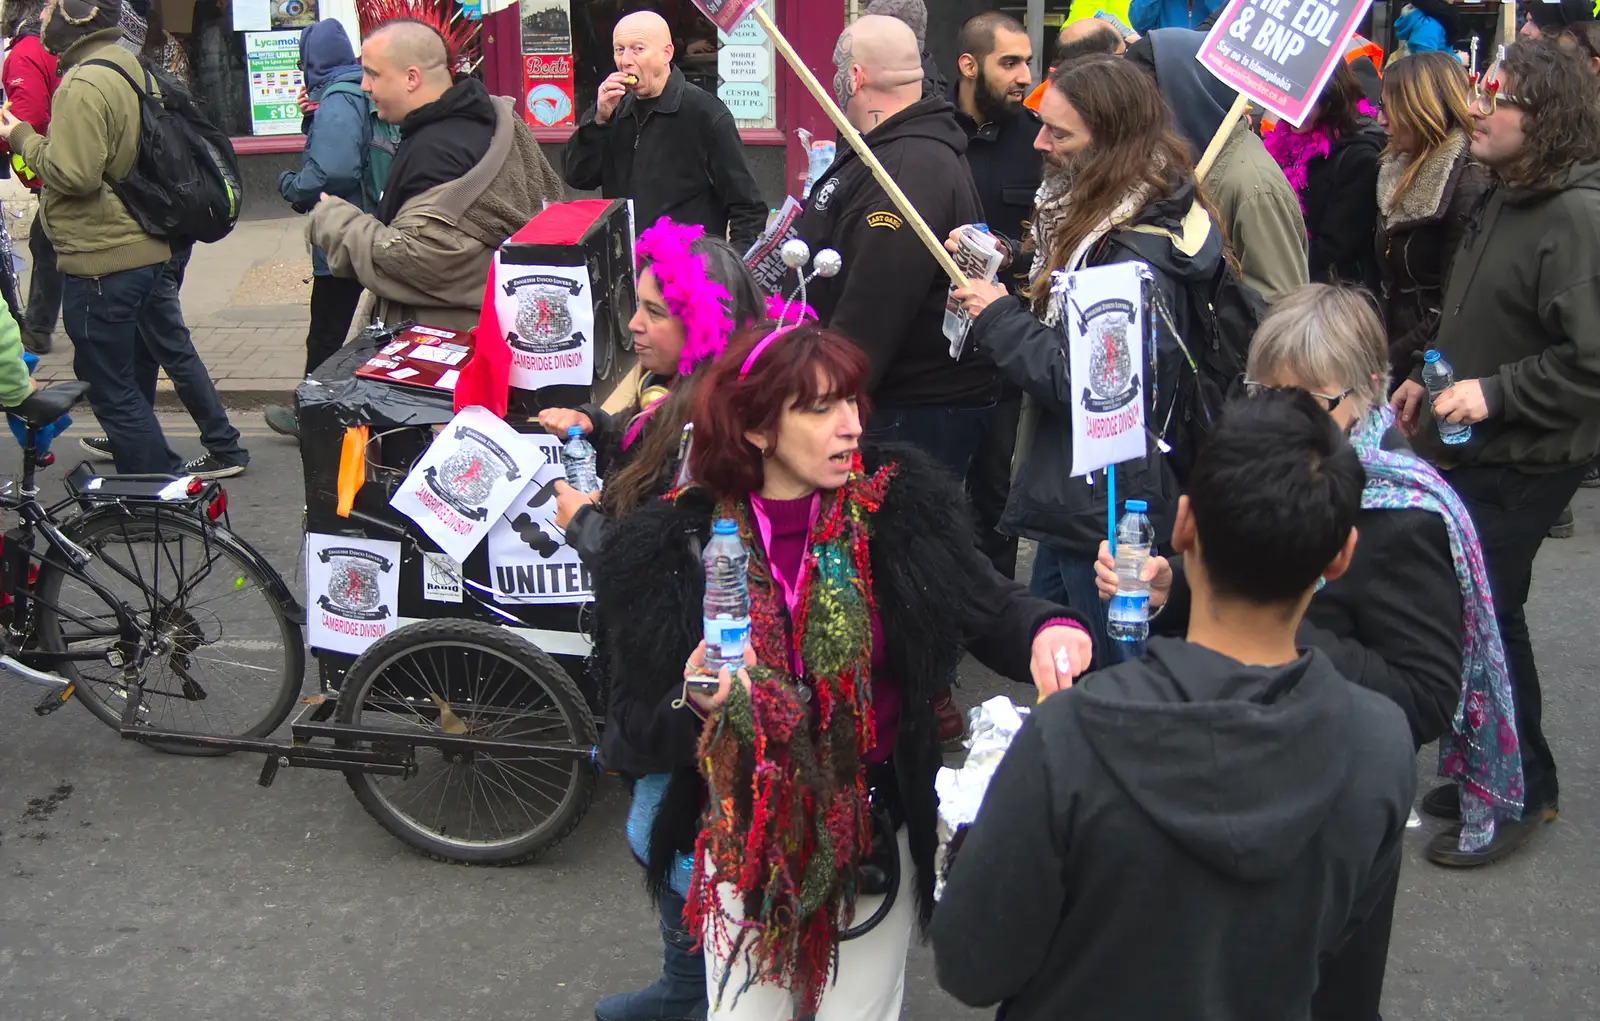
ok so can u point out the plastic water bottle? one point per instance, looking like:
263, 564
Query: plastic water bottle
1128, 618
577, 460
727, 603
1438, 376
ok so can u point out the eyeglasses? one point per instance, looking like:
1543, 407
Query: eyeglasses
1488, 94
1329, 401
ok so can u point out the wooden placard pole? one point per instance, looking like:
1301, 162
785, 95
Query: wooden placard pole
1218, 140
852, 136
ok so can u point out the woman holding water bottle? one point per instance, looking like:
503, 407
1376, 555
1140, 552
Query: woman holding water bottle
812, 816
1412, 618
693, 292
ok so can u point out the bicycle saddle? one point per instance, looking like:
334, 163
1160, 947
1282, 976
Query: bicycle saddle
45, 406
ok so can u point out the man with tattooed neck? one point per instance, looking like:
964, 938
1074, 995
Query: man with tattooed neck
890, 298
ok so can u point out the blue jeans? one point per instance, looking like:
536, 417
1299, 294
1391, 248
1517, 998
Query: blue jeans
1068, 578
102, 316
948, 435
165, 344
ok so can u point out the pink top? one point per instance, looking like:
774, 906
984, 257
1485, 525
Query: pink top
783, 527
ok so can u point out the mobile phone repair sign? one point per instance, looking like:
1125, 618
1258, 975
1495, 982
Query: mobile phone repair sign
1280, 53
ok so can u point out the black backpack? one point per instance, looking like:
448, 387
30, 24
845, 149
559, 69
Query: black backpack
1227, 312
185, 183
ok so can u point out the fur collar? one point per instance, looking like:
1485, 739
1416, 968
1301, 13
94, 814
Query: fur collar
1425, 199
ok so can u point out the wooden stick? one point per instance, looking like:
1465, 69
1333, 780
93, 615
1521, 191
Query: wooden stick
852, 136
1218, 140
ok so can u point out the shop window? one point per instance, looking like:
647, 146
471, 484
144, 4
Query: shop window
566, 47
242, 57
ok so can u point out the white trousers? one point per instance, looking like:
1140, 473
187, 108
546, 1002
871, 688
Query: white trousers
868, 983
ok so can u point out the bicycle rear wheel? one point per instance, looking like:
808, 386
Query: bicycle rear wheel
476, 680
228, 661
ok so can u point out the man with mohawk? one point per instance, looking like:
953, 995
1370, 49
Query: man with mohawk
468, 174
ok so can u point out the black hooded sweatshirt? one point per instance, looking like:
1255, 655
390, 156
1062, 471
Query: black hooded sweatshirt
890, 297
1180, 837
439, 142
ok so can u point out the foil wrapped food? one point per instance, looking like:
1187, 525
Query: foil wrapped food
993, 726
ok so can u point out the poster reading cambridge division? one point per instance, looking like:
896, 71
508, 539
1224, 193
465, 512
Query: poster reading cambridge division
1102, 314
272, 63
352, 591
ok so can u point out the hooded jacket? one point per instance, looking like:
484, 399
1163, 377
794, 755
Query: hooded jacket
93, 140
1176, 239
677, 156
936, 595
1259, 210
336, 131
890, 297
1179, 837
1418, 235
30, 79
430, 261
1522, 316
1391, 623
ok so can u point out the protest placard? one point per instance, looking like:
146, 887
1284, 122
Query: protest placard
1102, 314
1280, 53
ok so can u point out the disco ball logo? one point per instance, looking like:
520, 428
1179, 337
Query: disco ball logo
548, 105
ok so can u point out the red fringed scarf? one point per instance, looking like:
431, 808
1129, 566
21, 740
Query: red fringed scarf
788, 820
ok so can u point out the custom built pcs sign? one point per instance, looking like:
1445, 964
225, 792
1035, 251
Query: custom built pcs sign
1280, 53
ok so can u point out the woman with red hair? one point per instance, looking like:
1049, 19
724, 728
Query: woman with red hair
812, 806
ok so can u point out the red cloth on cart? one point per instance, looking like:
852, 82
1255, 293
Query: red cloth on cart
486, 378
561, 224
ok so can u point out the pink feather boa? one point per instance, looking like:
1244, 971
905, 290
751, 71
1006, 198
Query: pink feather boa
698, 302
1294, 150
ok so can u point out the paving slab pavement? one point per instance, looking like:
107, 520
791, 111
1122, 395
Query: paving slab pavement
246, 300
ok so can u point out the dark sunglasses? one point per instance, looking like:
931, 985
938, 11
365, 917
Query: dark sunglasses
1328, 401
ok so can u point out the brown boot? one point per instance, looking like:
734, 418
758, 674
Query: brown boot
952, 721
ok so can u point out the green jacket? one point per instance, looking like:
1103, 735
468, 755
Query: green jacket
15, 385
1261, 215
93, 140
1522, 316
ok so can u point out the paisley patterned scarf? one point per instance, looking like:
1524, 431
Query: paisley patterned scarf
1480, 750
787, 822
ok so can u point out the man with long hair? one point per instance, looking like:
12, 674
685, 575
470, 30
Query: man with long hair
1118, 187
1521, 326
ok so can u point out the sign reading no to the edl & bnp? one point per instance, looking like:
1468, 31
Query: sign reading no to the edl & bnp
1280, 53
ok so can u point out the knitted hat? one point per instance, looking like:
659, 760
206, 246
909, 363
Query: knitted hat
913, 12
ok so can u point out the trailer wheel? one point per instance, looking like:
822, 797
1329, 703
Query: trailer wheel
467, 678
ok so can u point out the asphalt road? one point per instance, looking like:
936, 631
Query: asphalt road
135, 885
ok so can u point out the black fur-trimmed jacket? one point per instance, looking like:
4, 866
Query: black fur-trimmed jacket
936, 595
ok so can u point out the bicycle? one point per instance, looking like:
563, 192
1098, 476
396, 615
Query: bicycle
84, 621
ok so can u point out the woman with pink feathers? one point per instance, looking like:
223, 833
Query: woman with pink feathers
694, 293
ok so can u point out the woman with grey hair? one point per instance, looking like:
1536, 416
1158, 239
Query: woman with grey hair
1412, 619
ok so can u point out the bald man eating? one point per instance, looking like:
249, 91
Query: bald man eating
467, 175
671, 147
